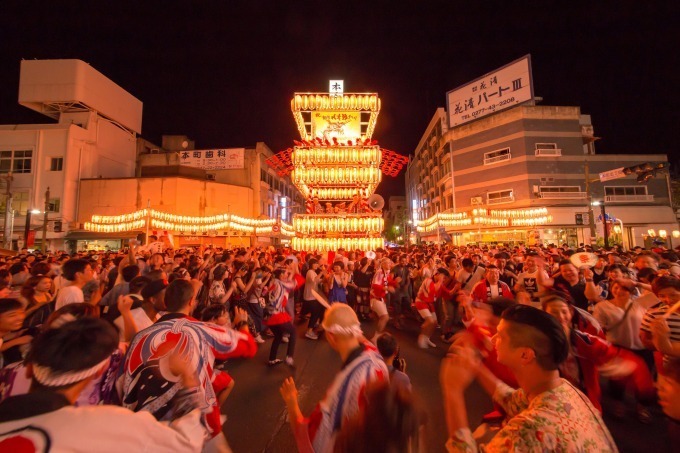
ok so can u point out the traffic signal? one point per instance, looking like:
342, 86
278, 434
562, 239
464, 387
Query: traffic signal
645, 171
579, 218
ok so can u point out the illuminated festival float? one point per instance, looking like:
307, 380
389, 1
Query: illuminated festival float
337, 167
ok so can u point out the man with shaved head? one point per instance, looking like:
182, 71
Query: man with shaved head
361, 364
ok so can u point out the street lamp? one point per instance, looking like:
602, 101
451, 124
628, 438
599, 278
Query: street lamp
603, 213
27, 227
676, 235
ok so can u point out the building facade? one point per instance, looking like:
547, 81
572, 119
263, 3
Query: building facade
164, 183
530, 174
94, 136
93, 162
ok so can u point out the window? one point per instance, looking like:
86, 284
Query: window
626, 190
16, 161
56, 163
499, 155
546, 145
500, 197
55, 204
561, 192
626, 193
20, 202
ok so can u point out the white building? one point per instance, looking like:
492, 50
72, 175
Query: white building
94, 136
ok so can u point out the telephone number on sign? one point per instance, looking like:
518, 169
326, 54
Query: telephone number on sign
492, 108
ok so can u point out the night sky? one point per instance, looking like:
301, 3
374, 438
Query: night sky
223, 72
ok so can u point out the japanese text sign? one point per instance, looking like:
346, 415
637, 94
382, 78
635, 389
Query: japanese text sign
498, 90
343, 126
213, 159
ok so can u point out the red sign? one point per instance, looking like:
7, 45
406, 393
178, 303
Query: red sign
276, 229
31, 238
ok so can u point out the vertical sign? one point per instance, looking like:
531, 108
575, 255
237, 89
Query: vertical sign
336, 87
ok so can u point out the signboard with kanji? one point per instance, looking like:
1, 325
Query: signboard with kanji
498, 90
213, 159
612, 174
342, 126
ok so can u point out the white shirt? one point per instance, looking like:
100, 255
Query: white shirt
69, 295
141, 319
626, 333
477, 274
107, 429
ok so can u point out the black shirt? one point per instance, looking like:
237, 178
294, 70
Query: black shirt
577, 292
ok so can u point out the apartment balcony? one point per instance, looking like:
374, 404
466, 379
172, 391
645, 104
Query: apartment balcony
496, 159
628, 198
500, 200
548, 152
563, 195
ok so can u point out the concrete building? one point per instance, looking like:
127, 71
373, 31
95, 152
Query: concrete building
166, 183
524, 161
95, 135
94, 163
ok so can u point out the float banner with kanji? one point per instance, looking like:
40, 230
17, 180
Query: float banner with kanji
213, 159
498, 90
342, 126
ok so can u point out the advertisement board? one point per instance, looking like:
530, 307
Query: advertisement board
498, 90
342, 126
213, 159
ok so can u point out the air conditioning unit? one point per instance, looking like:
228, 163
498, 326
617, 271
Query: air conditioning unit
537, 189
476, 201
154, 151
210, 176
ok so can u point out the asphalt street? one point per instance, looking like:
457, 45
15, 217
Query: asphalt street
257, 416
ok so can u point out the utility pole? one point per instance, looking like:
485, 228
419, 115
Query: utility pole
589, 198
43, 246
8, 212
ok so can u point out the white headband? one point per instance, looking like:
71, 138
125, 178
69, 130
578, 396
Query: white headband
47, 377
352, 331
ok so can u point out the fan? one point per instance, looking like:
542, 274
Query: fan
376, 202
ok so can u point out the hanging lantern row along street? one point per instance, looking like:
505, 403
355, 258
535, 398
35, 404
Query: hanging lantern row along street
532, 222
115, 228
443, 223
172, 222
118, 219
516, 213
485, 217
334, 224
451, 219
369, 155
327, 244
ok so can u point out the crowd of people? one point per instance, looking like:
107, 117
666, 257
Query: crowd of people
126, 349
